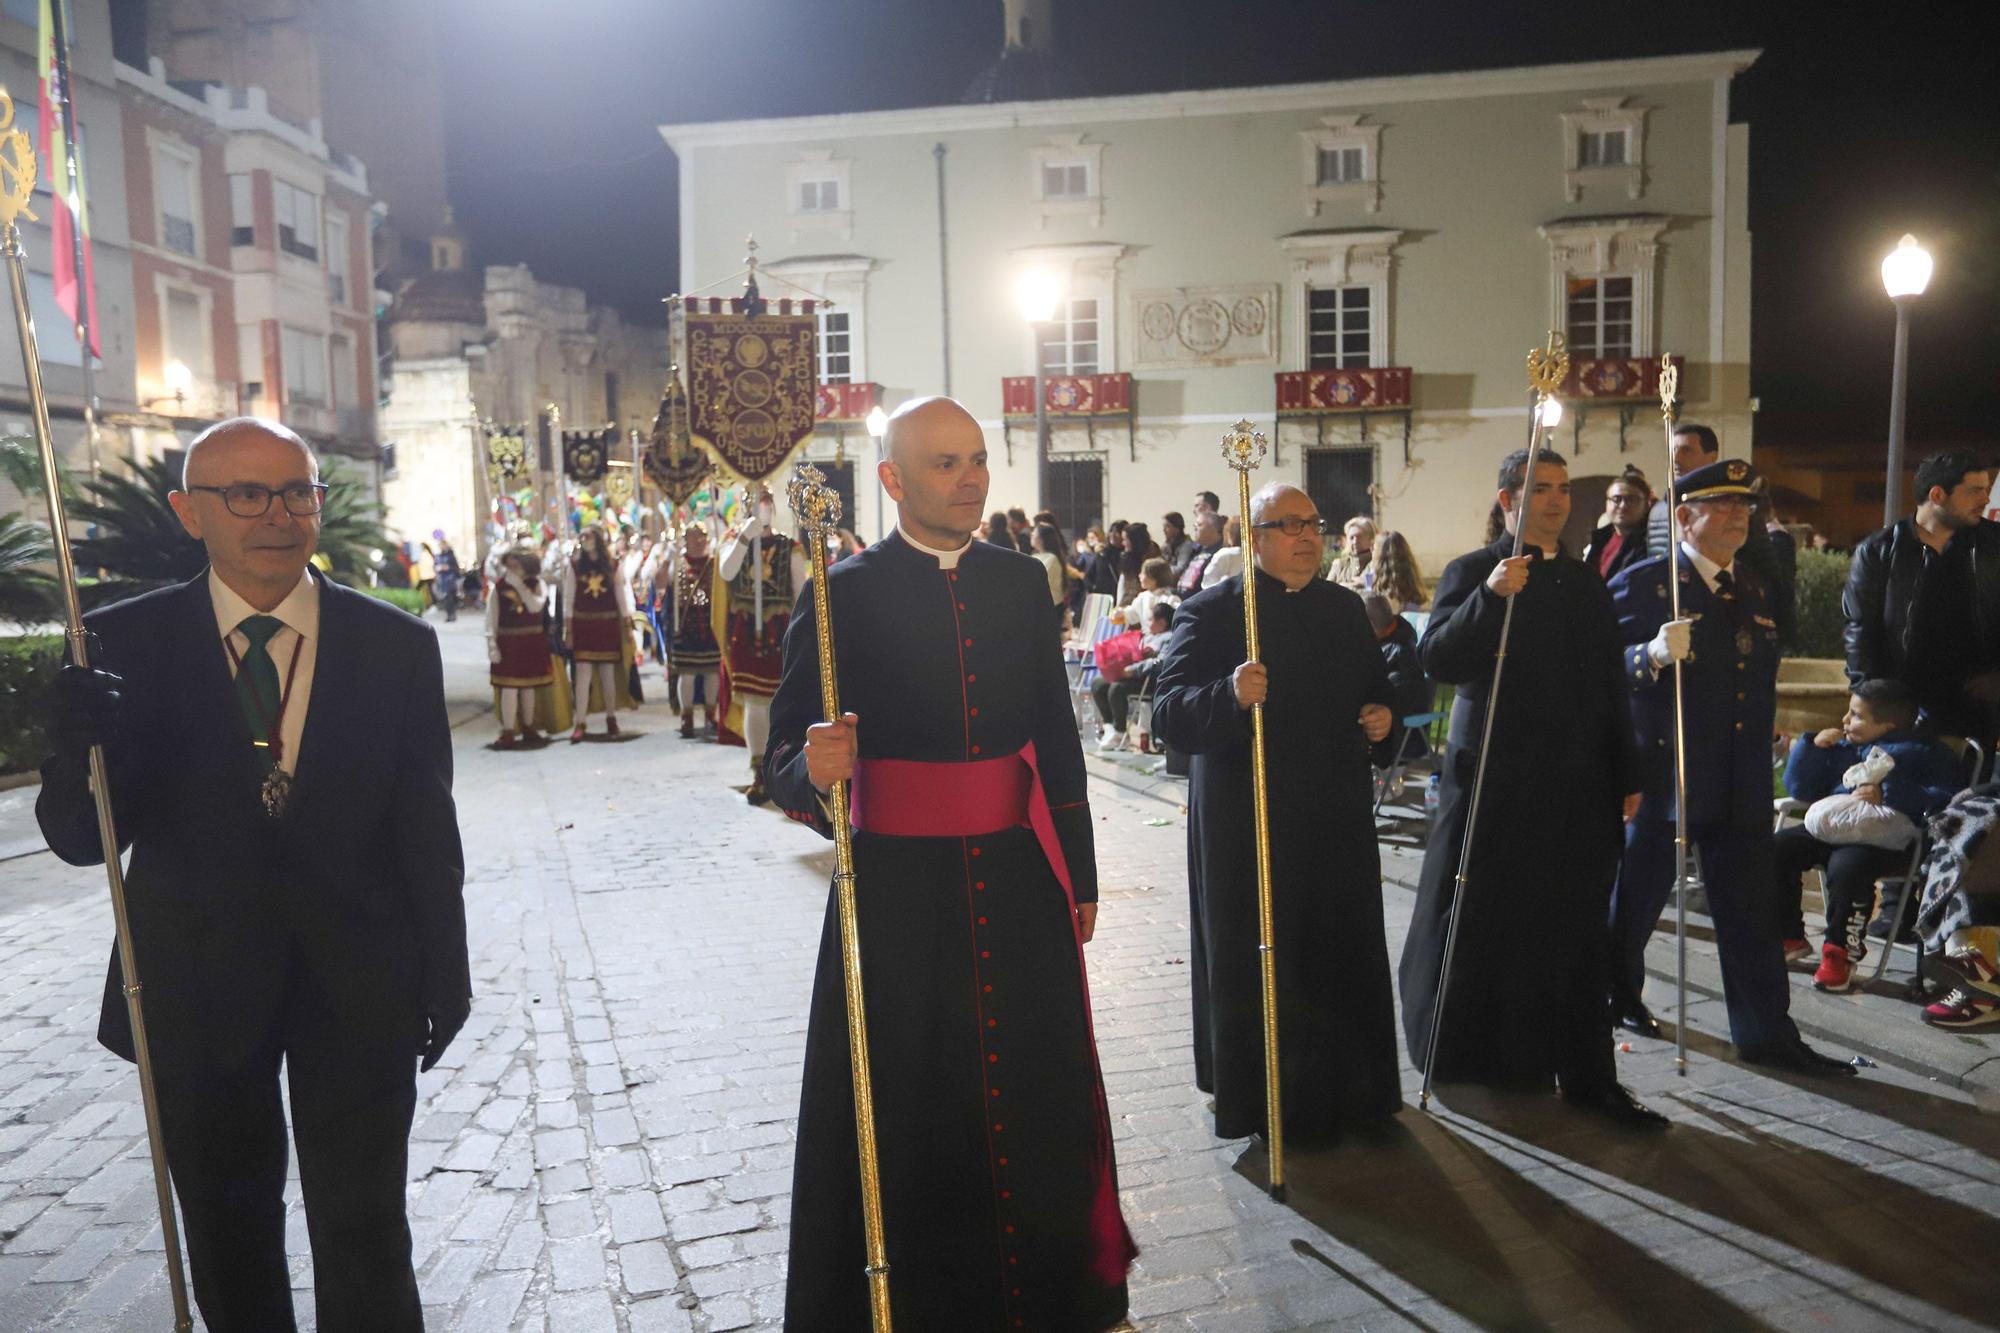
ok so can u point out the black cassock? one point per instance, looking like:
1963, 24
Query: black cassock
998, 1185
1336, 1011
1529, 980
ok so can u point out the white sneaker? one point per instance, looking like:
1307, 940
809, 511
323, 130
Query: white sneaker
1112, 743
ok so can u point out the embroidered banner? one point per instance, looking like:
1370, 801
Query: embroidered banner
751, 385
671, 460
585, 453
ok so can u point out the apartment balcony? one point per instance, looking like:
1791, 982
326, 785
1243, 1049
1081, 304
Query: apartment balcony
1360, 393
846, 404
1627, 384
1089, 399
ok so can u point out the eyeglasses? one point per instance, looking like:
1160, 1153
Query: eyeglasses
245, 500
1292, 527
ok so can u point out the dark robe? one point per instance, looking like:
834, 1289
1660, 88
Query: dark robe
1527, 1004
1336, 1011
999, 1191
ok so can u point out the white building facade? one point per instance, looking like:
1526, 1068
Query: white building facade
1359, 268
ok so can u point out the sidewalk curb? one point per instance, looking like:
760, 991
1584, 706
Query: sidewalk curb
1966, 1062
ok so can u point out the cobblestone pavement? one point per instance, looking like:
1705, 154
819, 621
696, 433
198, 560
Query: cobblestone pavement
608, 1146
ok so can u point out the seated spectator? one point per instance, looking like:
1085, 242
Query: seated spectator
1228, 560
1100, 562
1139, 548
1960, 910
1206, 542
1394, 574
1357, 550
1923, 600
1620, 540
1156, 585
1113, 698
1175, 544
1880, 715
1409, 686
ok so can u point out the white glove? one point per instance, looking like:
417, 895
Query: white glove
493, 654
1671, 644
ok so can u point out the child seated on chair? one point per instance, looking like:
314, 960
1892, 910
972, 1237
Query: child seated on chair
1114, 697
1880, 716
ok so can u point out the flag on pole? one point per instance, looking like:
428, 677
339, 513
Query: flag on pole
72, 216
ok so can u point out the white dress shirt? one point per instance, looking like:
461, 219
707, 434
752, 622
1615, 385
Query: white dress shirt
1707, 568
300, 612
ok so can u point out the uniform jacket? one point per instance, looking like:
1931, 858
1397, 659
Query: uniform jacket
359, 882
1730, 693
1882, 588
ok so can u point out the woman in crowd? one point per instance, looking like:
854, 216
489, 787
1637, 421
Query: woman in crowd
1139, 548
1048, 542
1395, 575
997, 531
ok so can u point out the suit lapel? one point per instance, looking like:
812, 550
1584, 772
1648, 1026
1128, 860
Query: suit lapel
327, 716
213, 726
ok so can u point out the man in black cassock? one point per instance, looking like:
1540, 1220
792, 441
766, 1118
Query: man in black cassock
1526, 1009
977, 889
1325, 693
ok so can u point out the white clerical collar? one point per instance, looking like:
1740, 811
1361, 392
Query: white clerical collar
945, 559
299, 611
1705, 567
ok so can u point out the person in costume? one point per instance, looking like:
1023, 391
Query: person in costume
977, 877
696, 658
1526, 1010
1325, 692
1727, 641
761, 574
525, 680
598, 608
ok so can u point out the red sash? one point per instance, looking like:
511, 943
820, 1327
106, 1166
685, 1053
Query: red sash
910, 798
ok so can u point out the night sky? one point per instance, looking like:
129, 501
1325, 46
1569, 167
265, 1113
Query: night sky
1865, 122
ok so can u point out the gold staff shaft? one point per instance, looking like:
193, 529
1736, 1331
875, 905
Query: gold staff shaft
1545, 374
1244, 450
19, 158
1669, 382
818, 513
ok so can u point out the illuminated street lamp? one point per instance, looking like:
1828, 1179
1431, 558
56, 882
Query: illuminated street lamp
1905, 273
878, 427
1037, 294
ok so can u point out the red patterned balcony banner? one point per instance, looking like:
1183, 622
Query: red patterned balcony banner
847, 403
1310, 391
1615, 379
1068, 395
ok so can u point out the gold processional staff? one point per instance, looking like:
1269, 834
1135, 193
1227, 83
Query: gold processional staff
1546, 369
1670, 378
17, 188
1243, 449
817, 507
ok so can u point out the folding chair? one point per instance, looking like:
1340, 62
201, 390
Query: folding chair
1093, 626
1431, 726
1892, 892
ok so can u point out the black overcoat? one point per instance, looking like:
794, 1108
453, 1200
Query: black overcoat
999, 1190
360, 884
1532, 945
1336, 1011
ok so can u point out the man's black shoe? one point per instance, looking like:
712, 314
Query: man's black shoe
1620, 1107
1639, 1020
1798, 1058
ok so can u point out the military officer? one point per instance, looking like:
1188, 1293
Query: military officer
1727, 641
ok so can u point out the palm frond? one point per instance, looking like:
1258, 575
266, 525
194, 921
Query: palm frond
27, 588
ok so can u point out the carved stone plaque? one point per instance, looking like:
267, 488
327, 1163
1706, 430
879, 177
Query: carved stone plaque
1205, 326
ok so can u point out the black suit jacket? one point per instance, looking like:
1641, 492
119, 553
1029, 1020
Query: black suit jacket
359, 884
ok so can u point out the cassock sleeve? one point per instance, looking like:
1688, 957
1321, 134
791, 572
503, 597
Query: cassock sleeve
795, 707
1194, 701
1464, 629
1058, 747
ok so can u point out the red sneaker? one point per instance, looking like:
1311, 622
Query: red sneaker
1797, 951
1965, 970
1963, 1009
1836, 973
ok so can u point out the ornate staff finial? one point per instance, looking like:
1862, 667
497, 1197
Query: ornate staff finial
1670, 383
1243, 448
18, 166
816, 504
1548, 368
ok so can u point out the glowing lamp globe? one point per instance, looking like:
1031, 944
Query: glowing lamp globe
1036, 294
878, 422
1550, 413
1907, 270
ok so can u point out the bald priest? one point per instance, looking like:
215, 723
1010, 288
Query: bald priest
977, 890
280, 767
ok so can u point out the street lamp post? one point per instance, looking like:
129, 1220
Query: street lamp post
878, 427
1038, 296
1905, 273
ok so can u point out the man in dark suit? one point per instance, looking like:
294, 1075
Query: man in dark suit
1727, 639
280, 767
1620, 541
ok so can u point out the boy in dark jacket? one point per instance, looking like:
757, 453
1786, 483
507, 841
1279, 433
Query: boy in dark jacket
1412, 688
1880, 715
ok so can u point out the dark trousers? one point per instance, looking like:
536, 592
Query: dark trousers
1851, 872
1736, 870
1114, 701
353, 1095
